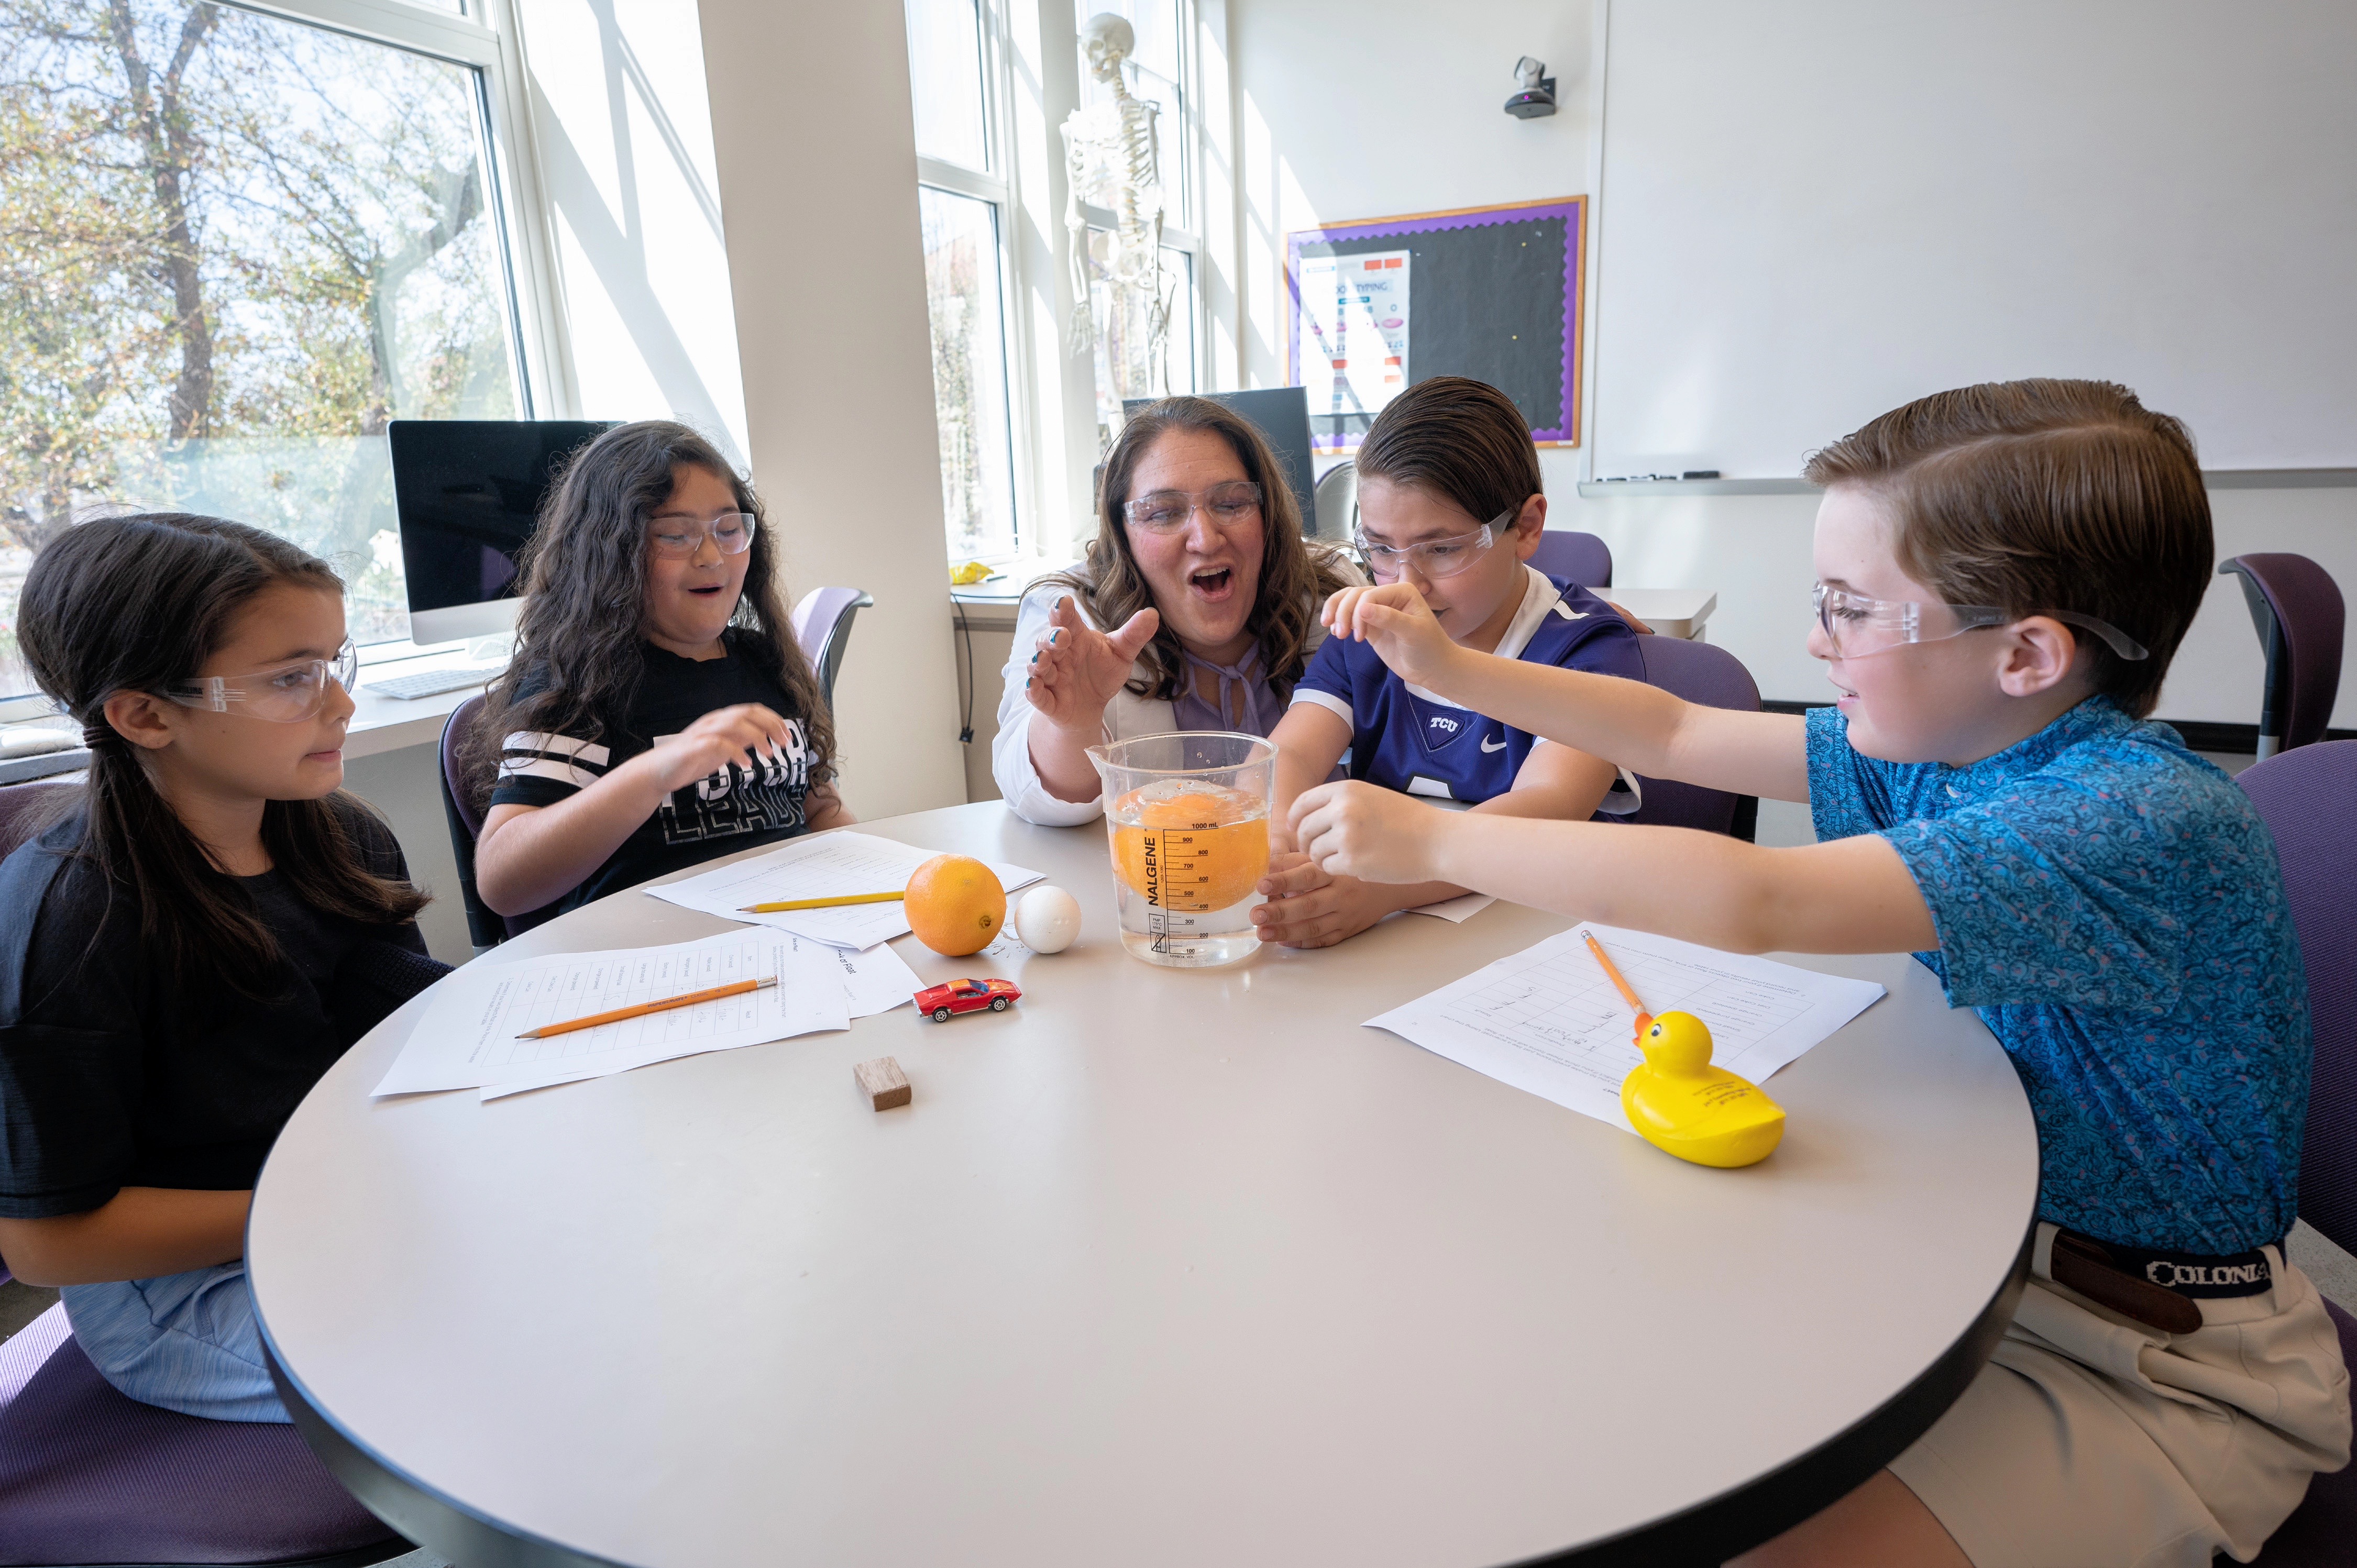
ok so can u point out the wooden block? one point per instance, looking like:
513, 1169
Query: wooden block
883, 1081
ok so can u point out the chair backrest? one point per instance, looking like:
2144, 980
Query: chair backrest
485, 927
2297, 609
1336, 502
2309, 798
823, 626
1581, 557
26, 809
1715, 678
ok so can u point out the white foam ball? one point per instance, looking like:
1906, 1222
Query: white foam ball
1048, 918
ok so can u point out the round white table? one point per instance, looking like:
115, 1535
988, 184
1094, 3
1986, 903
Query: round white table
1162, 1266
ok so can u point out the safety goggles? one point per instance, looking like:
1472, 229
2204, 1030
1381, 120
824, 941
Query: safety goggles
680, 537
1433, 558
1858, 627
1230, 505
284, 694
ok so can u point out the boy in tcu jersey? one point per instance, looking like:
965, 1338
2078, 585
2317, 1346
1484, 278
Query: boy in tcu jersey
1450, 501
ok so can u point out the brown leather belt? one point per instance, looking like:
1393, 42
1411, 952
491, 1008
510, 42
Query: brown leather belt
2160, 1289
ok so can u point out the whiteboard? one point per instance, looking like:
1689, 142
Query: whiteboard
1808, 213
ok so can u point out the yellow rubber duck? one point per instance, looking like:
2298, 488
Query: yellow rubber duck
1679, 1102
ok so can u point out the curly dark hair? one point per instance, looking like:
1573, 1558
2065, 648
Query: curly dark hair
1296, 574
585, 580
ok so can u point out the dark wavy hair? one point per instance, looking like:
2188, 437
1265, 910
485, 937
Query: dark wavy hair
134, 604
585, 582
1296, 574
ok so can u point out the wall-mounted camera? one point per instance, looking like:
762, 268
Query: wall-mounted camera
1537, 97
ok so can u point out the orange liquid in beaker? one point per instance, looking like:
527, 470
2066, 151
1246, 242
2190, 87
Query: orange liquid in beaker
1195, 848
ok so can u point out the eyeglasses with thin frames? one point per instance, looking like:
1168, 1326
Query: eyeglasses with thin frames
680, 537
1859, 626
1432, 558
1230, 504
282, 695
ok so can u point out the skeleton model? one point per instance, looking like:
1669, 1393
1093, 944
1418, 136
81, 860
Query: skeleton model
1113, 158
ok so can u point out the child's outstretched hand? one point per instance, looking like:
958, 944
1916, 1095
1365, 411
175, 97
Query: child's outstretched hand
1356, 829
746, 735
1077, 669
1394, 621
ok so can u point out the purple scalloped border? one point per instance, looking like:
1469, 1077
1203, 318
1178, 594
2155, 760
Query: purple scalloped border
1573, 212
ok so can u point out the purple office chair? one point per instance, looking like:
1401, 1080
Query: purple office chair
1698, 672
1582, 558
485, 927
823, 626
2297, 608
2308, 798
88, 1476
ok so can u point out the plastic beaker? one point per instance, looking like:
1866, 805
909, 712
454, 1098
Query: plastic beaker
1188, 814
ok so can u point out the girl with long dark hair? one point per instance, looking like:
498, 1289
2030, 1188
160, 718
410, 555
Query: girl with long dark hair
657, 712
191, 944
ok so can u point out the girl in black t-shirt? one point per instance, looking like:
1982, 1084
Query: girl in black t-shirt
188, 948
657, 712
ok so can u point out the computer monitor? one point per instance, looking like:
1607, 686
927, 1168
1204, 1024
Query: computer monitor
467, 492
1282, 415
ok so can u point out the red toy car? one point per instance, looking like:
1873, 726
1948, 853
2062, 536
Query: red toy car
966, 996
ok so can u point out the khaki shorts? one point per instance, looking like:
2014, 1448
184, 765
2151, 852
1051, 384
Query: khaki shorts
2090, 1441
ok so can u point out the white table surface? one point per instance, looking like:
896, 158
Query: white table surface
1161, 1267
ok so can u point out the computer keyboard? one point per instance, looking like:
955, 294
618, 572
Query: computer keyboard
433, 683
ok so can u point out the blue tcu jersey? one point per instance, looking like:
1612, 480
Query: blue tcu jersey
1417, 744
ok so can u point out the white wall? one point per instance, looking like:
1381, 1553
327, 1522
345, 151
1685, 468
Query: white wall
1399, 111
817, 181
622, 134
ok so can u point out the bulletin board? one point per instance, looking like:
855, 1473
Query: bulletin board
1493, 293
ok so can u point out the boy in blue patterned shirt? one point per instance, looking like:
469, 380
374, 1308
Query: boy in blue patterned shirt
2004, 573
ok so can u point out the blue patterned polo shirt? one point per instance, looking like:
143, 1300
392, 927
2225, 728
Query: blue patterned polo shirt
2111, 905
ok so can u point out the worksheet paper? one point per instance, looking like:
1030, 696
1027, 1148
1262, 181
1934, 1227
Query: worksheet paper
1549, 1022
466, 1038
825, 865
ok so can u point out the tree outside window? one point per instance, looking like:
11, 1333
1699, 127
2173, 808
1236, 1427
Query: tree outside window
233, 247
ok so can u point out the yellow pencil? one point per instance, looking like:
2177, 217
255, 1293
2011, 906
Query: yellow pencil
689, 999
784, 904
1621, 983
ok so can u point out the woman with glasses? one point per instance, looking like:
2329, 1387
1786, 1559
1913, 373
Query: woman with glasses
1196, 609
1450, 503
659, 711
184, 953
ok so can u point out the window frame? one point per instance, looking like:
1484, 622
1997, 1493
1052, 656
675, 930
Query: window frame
487, 40
996, 186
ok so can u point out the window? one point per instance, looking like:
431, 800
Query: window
962, 204
1129, 362
233, 247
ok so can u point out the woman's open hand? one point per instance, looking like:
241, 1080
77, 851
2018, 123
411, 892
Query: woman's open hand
1077, 669
1394, 621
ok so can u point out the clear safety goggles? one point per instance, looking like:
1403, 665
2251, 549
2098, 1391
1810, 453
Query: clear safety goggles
1858, 627
285, 694
680, 537
1433, 558
1230, 504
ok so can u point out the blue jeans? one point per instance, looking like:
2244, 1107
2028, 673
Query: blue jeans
187, 1342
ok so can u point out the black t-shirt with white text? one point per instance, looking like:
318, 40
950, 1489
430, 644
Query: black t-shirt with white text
735, 809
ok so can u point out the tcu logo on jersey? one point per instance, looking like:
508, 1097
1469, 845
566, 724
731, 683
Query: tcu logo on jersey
1443, 727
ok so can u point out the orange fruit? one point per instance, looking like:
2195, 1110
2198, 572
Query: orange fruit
1203, 859
956, 905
